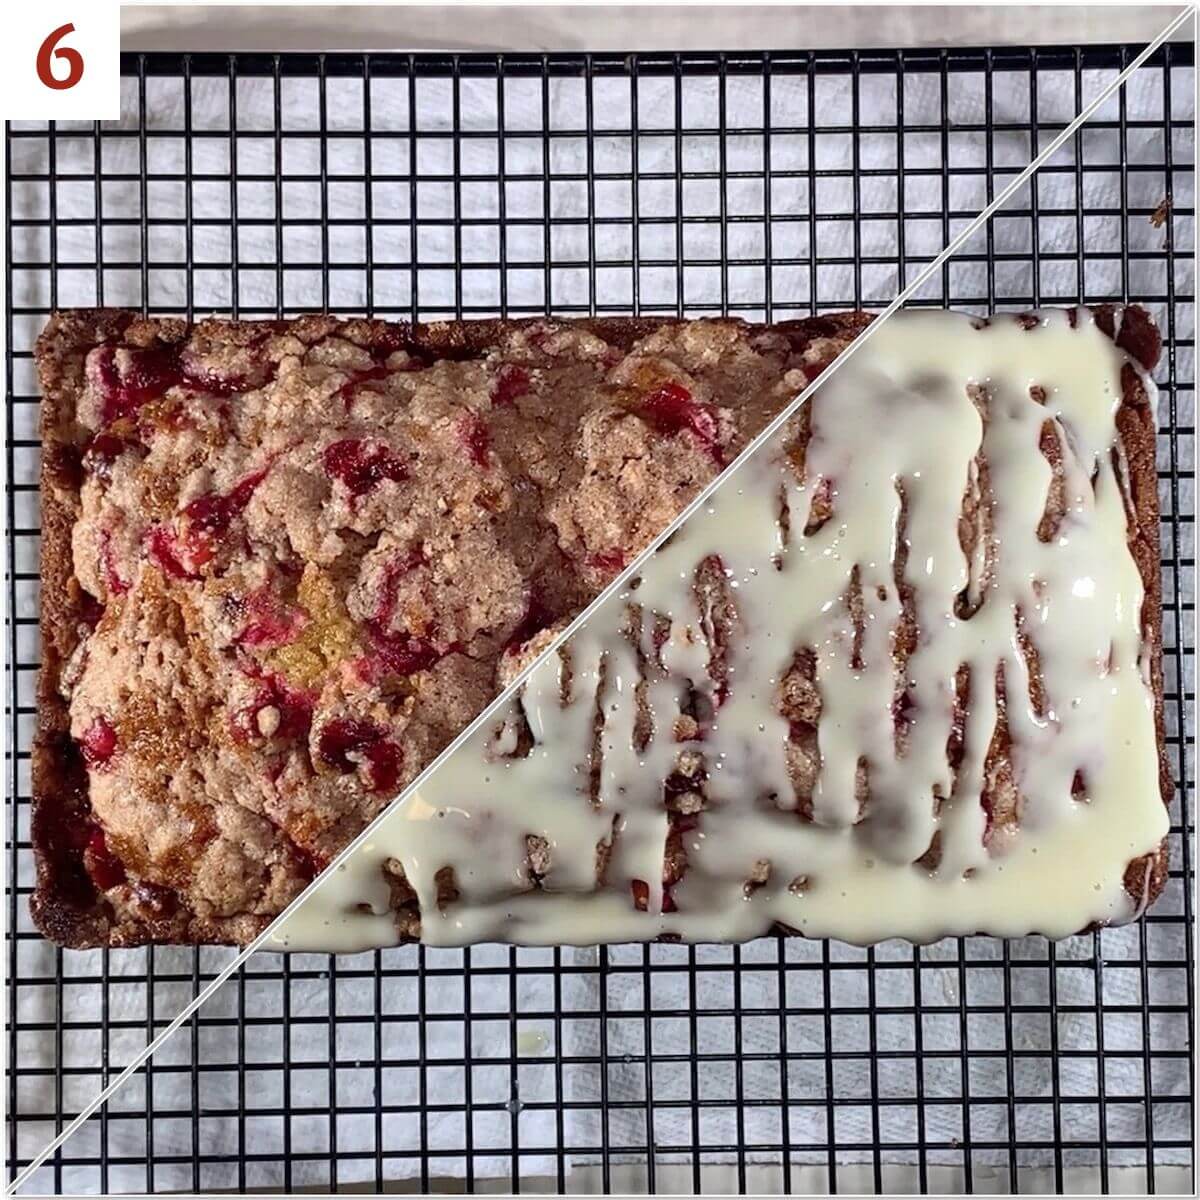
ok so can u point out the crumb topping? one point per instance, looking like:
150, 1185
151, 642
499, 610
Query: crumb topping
315, 554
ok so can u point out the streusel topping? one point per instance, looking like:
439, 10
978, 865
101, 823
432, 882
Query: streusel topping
317, 553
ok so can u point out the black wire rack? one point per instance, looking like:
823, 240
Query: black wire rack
455, 185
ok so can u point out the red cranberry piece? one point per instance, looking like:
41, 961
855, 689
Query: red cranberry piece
671, 409
365, 668
511, 383
340, 738
130, 379
399, 653
609, 561
361, 466
163, 549
101, 370
475, 438
149, 373
641, 896
211, 514
272, 623
364, 739
108, 565
102, 864
99, 743
205, 521
385, 760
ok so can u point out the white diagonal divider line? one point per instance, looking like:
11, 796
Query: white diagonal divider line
615, 586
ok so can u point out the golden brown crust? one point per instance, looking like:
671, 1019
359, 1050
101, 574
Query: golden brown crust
66, 905
1146, 877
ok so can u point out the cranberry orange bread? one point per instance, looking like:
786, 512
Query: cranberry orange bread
900, 678
282, 564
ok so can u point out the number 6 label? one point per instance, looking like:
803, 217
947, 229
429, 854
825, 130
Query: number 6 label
71, 56
62, 60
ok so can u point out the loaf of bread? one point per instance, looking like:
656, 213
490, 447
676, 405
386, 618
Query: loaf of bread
284, 563
900, 676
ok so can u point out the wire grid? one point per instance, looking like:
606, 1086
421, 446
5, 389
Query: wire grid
766, 184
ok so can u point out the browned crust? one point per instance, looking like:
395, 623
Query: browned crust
1145, 877
1134, 331
58, 904
63, 905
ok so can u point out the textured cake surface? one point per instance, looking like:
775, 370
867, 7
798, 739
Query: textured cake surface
901, 676
284, 563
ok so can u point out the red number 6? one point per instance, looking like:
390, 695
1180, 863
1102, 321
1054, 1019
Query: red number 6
73, 57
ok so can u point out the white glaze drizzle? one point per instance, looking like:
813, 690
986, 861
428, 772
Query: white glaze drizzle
898, 416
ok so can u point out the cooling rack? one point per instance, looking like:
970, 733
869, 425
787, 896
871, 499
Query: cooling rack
770, 185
